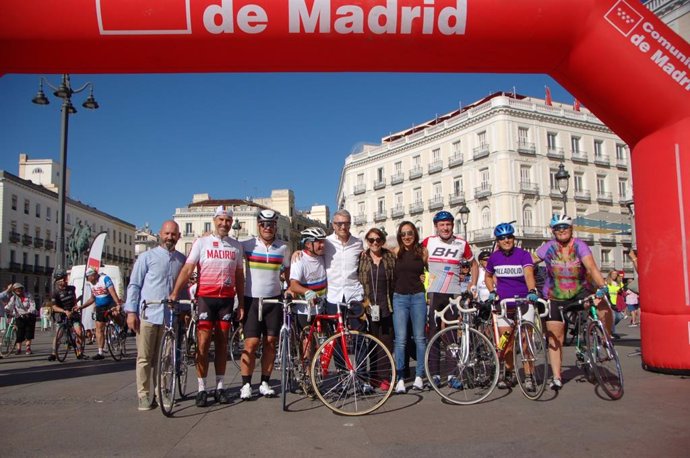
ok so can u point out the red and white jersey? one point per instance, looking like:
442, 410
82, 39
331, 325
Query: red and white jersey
444, 263
217, 261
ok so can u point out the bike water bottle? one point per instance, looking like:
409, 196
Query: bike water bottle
503, 340
325, 358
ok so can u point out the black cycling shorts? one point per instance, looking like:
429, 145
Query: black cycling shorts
99, 313
555, 313
272, 318
215, 308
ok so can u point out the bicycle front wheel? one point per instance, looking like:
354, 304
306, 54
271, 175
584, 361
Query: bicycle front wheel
166, 374
236, 346
604, 359
468, 365
285, 371
352, 373
61, 344
113, 340
183, 364
530, 358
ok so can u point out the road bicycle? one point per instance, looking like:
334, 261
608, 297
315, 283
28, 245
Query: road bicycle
352, 372
236, 345
66, 338
190, 342
290, 360
530, 351
594, 349
115, 335
173, 360
468, 363
9, 338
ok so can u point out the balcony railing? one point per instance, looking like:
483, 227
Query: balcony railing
50, 244
602, 159
435, 203
480, 151
482, 191
608, 265
38, 242
555, 152
38, 269
580, 156
28, 268
27, 240
583, 195
397, 178
456, 198
455, 160
482, 235
527, 187
360, 219
555, 193
360, 189
189, 234
416, 207
15, 266
15, 237
435, 167
604, 196
527, 148
398, 211
379, 184
532, 231
380, 216
415, 172
621, 163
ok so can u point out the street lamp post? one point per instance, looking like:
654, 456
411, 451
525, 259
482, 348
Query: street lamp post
562, 181
65, 92
464, 217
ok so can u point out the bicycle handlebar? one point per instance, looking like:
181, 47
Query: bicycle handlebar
580, 303
169, 303
521, 300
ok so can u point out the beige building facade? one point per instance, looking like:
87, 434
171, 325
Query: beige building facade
499, 157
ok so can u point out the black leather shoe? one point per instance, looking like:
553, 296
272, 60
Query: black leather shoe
201, 399
222, 397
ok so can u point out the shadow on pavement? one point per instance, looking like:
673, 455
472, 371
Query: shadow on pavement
66, 370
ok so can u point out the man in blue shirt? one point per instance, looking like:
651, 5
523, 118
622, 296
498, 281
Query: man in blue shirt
153, 278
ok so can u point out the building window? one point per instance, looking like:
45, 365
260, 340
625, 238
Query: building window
36, 261
527, 219
14, 201
484, 179
606, 256
523, 135
381, 205
457, 186
398, 168
417, 196
26, 206
486, 218
578, 182
38, 232
379, 175
47, 234
38, 210
207, 227
598, 148
416, 161
362, 208
601, 184
620, 152
525, 174
481, 139
188, 228
120, 237
399, 199
551, 140
436, 155
69, 218
48, 212
438, 190
456, 148
47, 261
623, 188
13, 256
575, 144
360, 178
553, 183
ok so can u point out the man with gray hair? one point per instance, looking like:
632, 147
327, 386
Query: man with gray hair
342, 255
152, 280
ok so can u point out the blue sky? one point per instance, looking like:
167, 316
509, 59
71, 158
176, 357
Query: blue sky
158, 139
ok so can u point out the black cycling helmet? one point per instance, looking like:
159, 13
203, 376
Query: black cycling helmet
59, 274
484, 255
267, 215
443, 216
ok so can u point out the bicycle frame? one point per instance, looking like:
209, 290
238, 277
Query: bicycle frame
514, 326
340, 328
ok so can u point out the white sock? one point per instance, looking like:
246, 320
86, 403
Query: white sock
202, 383
100, 351
219, 382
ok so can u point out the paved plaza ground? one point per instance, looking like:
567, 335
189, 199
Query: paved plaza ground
88, 408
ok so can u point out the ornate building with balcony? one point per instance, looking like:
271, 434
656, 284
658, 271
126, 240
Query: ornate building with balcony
29, 236
499, 157
196, 219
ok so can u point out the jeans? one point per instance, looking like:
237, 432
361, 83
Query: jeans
409, 307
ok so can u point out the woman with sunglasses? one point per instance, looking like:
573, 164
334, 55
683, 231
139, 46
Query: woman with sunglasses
569, 264
376, 274
409, 303
514, 269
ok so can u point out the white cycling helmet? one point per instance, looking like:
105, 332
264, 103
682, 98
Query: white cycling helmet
558, 220
312, 234
267, 215
90, 271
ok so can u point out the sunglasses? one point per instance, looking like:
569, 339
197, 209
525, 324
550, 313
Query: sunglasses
341, 223
407, 233
375, 240
267, 224
505, 237
561, 227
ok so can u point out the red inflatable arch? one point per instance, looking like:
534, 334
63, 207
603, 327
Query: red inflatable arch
630, 69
